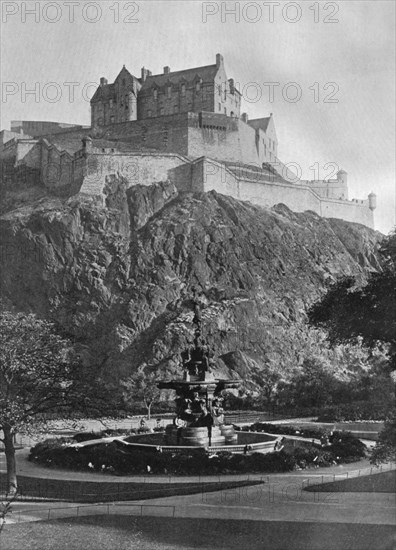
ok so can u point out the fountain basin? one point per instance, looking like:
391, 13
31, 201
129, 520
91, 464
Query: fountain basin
242, 443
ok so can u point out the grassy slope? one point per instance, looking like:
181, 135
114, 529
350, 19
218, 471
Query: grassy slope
122, 533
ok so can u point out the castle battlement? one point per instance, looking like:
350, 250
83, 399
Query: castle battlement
202, 145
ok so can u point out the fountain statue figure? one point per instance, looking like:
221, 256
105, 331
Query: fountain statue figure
199, 414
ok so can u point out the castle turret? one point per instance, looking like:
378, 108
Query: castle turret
372, 201
342, 176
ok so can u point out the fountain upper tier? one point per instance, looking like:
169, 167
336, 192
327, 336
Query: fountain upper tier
199, 393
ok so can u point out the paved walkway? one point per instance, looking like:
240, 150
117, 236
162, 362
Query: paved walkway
30, 469
280, 497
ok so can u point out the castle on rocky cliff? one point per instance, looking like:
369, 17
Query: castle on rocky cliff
183, 126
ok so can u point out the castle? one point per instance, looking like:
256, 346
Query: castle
184, 126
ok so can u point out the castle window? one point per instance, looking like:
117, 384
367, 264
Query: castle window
219, 89
111, 103
161, 111
155, 94
149, 113
123, 81
232, 113
225, 110
112, 120
169, 92
183, 89
220, 107
225, 94
198, 86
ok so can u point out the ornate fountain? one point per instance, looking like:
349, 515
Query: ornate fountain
199, 417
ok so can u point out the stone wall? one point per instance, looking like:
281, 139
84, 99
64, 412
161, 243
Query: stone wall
171, 99
351, 211
168, 134
57, 167
328, 189
137, 168
299, 198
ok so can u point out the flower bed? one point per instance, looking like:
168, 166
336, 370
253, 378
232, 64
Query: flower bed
114, 457
311, 433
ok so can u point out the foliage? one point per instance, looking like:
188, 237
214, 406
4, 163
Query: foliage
40, 374
346, 447
367, 312
355, 411
141, 386
385, 449
281, 429
117, 458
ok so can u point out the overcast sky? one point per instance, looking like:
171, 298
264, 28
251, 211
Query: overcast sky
341, 60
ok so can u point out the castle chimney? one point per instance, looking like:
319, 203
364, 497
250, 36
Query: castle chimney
145, 73
219, 60
167, 70
103, 81
245, 117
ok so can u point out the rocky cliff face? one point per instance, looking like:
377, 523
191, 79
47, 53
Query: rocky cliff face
118, 276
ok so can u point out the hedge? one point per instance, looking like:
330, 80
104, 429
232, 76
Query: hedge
115, 457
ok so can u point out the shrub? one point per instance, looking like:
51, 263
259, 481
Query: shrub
122, 460
361, 410
347, 447
311, 433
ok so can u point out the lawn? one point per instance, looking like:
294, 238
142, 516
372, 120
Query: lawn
96, 491
384, 482
148, 533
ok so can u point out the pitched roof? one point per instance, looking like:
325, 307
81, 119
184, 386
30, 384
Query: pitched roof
261, 123
108, 91
207, 73
104, 92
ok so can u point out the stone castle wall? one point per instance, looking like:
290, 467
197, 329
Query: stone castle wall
299, 198
190, 150
137, 168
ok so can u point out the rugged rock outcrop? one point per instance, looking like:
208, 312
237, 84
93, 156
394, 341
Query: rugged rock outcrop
118, 276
